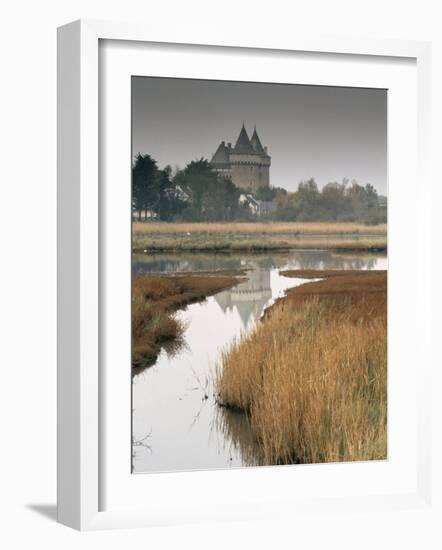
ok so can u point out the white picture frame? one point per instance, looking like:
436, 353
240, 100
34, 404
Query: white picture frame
80, 293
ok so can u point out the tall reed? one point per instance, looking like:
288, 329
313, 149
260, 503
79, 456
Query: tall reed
312, 377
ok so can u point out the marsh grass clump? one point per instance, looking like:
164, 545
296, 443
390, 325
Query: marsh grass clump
156, 299
153, 323
312, 376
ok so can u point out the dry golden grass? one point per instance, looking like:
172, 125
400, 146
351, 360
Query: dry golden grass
313, 374
252, 242
258, 236
154, 301
304, 228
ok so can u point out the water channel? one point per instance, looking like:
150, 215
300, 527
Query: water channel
177, 424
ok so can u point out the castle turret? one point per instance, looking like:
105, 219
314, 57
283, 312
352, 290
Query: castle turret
247, 164
256, 143
243, 145
221, 160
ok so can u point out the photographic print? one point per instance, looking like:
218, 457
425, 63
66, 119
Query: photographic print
259, 274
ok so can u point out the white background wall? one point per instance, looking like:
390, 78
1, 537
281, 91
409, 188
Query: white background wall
28, 265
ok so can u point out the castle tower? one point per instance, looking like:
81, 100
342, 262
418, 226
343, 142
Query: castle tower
264, 172
221, 160
247, 164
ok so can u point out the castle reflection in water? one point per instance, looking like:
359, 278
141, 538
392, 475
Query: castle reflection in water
249, 298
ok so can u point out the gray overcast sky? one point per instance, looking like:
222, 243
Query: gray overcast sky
311, 131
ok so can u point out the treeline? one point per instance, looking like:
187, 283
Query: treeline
196, 193
343, 202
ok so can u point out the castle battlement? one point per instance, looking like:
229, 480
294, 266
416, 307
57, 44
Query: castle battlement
247, 164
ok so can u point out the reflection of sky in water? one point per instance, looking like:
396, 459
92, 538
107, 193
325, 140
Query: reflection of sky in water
185, 431
294, 259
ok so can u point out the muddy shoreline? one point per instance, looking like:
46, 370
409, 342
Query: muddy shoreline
257, 249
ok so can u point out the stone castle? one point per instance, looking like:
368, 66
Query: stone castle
247, 164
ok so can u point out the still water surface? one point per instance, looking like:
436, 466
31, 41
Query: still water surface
176, 423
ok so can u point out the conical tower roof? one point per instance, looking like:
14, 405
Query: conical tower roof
221, 155
256, 143
243, 145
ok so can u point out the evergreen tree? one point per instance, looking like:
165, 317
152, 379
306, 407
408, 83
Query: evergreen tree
146, 184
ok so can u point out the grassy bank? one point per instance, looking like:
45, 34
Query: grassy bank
154, 303
313, 374
231, 237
